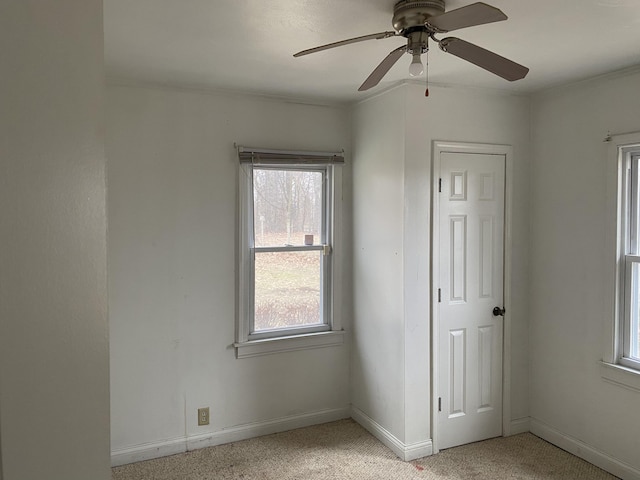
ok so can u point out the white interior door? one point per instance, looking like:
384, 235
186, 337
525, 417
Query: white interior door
470, 256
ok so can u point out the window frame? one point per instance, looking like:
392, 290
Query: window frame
629, 252
329, 333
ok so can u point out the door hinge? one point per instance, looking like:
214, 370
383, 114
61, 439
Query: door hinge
439, 295
440, 185
439, 404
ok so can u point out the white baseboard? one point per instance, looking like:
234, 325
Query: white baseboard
258, 429
174, 446
402, 450
584, 451
148, 451
520, 425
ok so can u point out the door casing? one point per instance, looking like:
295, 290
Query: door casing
438, 148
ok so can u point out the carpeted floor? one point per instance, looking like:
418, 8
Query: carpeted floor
344, 450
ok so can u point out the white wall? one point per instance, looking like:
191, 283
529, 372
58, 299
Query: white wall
569, 265
393, 135
477, 116
53, 301
172, 174
377, 360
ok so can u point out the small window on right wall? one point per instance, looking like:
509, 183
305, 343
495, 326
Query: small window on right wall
628, 266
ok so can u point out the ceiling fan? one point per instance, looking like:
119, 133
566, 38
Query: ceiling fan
420, 20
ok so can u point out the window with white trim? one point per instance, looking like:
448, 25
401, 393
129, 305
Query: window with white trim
287, 243
628, 344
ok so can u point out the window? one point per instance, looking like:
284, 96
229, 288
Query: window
288, 236
628, 351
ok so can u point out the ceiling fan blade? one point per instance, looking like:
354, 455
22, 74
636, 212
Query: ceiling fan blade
475, 14
382, 69
490, 61
373, 36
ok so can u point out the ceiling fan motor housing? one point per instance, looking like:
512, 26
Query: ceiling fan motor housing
414, 13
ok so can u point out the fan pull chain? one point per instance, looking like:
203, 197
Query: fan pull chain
426, 74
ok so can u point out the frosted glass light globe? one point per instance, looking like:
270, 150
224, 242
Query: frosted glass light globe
416, 68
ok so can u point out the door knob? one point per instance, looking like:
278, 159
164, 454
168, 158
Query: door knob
498, 312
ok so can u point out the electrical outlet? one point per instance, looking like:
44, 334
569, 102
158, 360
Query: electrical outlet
203, 416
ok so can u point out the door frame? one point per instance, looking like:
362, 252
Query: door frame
439, 147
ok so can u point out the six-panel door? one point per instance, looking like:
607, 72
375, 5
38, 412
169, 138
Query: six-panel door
470, 258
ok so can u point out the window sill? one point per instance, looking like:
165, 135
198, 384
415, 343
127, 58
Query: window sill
267, 346
619, 375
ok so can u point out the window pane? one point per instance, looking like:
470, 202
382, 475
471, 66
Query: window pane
634, 203
287, 289
287, 206
634, 327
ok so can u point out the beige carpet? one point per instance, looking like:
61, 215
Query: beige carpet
344, 450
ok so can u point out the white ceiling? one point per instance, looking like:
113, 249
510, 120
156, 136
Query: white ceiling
247, 45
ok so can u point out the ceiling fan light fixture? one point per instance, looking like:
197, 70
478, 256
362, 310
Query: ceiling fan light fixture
416, 68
